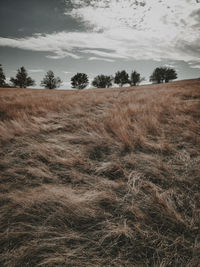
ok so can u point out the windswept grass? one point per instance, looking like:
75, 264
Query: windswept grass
100, 177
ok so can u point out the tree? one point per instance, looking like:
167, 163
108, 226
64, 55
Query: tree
135, 78
2, 77
79, 81
102, 81
121, 78
22, 79
157, 75
163, 74
50, 81
170, 74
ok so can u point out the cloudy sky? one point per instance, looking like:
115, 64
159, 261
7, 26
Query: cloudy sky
99, 37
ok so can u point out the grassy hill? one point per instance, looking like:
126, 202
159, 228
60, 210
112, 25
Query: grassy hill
105, 177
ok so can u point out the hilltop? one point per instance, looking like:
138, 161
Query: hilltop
103, 177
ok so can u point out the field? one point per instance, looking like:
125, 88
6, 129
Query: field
104, 177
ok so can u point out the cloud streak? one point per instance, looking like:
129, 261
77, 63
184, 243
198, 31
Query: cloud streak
124, 29
101, 58
35, 70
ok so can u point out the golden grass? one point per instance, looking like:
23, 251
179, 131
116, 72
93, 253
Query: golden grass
105, 177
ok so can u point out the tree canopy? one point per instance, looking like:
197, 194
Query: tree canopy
79, 81
121, 78
50, 81
102, 81
163, 74
170, 74
135, 78
22, 79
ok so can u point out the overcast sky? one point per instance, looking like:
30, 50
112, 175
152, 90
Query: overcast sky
99, 37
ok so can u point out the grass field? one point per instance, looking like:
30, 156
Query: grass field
104, 177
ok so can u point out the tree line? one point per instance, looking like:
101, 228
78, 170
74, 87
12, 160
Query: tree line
81, 80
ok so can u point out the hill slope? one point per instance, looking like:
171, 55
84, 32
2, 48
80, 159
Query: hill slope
100, 177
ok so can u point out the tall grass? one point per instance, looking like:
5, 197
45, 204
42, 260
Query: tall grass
105, 177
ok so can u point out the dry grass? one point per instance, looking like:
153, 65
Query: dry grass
100, 177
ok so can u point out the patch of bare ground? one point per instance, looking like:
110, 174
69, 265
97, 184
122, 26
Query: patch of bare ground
106, 177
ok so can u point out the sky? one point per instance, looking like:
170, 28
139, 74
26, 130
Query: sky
99, 37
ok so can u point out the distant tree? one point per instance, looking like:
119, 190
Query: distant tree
163, 74
79, 81
157, 75
22, 79
2, 77
50, 81
102, 81
121, 78
170, 74
135, 78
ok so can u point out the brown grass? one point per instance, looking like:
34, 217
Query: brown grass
100, 177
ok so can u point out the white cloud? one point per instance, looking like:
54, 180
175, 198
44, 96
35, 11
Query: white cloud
35, 70
66, 72
111, 53
7, 80
196, 66
62, 54
101, 58
124, 29
169, 65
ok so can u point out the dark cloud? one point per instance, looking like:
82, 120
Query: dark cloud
189, 48
196, 15
26, 17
